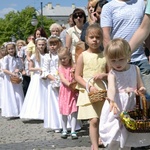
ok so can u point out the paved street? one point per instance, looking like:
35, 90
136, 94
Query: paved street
16, 134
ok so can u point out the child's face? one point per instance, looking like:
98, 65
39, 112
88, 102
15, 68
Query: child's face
54, 46
19, 46
41, 44
93, 39
3, 53
11, 49
38, 34
64, 59
55, 31
90, 8
119, 64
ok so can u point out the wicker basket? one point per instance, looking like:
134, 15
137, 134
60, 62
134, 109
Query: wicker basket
137, 120
96, 96
15, 79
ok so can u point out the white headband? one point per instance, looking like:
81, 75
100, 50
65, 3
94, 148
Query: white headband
9, 43
41, 38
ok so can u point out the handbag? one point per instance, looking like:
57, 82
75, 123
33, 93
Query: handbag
98, 95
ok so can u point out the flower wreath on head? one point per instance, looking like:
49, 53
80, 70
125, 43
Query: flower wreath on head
41, 38
54, 36
10, 43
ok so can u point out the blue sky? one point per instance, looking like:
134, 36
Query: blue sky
9, 5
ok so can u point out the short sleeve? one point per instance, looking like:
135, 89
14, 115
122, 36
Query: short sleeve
70, 31
106, 16
148, 7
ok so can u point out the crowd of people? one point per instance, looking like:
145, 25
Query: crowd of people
41, 79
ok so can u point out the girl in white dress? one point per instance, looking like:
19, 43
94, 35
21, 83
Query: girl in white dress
33, 107
52, 117
12, 93
2, 54
124, 81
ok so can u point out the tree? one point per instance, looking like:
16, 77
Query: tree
19, 25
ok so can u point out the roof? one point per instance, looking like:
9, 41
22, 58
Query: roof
58, 10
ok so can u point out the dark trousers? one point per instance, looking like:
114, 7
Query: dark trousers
25, 83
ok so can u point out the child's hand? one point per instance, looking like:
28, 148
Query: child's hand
16, 70
113, 106
93, 89
40, 70
141, 90
100, 76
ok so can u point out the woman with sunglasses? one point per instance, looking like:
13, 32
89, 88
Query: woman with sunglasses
74, 33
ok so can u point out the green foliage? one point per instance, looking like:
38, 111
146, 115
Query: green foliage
19, 25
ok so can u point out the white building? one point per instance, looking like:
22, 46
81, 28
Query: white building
59, 13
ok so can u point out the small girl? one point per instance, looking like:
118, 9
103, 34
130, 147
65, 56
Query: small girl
33, 106
52, 117
91, 63
20, 44
124, 81
12, 93
67, 95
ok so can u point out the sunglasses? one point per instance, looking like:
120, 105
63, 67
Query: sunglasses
78, 15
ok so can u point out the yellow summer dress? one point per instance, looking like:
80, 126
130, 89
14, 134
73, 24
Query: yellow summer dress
93, 63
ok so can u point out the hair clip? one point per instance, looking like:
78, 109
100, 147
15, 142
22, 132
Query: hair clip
41, 38
9, 43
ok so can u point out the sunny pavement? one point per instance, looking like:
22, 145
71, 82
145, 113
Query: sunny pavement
17, 134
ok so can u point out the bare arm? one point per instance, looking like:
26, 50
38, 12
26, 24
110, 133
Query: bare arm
79, 71
68, 41
140, 86
106, 35
141, 34
111, 93
63, 79
111, 87
32, 68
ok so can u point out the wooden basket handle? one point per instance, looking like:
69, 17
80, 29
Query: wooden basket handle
144, 105
87, 84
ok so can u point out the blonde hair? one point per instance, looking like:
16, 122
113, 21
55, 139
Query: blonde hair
21, 41
37, 53
94, 28
93, 3
12, 44
117, 48
55, 25
65, 51
54, 39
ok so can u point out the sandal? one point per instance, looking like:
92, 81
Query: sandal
64, 135
100, 144
74, 135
